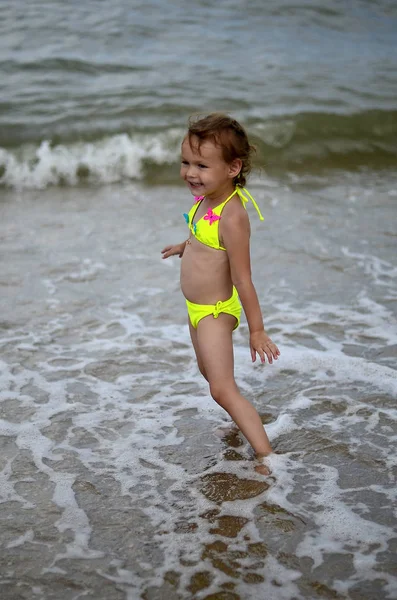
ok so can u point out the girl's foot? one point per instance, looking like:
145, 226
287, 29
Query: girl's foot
262, 470
261, 467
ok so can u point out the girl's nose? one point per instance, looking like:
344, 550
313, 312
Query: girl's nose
190, 171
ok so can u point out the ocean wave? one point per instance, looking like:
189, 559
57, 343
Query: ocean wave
72, 65
308, 142
314, 141
108, 160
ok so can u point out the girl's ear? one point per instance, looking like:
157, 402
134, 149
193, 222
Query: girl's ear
235, 167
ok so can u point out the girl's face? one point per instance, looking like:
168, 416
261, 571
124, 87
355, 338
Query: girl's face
205, 171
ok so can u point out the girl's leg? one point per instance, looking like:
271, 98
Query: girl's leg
215, 353
193, 336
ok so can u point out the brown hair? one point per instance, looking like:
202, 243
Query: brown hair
227, 134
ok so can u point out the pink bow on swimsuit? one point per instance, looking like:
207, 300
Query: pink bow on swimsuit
211, 217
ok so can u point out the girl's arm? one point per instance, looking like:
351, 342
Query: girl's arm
173, 250
236, 240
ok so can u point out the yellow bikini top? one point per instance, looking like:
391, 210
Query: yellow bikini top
206, 230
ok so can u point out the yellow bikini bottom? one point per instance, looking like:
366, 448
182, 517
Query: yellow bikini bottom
199, 311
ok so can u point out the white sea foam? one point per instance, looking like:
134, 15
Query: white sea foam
116, 158
381, 271
104, 413
149, 431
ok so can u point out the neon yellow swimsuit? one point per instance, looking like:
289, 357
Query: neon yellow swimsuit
206, 231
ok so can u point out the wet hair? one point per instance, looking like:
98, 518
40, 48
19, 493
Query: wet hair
227, 134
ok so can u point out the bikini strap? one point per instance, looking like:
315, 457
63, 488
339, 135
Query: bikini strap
243, 193
229, 198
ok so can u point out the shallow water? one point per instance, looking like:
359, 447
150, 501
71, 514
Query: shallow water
120, 477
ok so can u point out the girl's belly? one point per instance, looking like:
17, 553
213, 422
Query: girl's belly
205, 274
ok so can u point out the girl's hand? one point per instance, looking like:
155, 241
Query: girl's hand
261, 343
176, 250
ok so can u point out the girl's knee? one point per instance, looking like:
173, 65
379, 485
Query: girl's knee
202, 370
220, 394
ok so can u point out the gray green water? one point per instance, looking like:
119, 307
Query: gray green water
119, 476
101, 91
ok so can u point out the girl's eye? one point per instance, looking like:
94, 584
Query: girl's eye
184, 162
202, 166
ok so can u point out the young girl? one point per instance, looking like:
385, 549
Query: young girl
215, 268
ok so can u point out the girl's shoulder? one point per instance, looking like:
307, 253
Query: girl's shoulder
235, 219
235, 210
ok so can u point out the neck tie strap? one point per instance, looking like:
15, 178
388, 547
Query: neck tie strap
243, 193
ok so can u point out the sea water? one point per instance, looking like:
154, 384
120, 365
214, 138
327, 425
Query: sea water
120, 478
